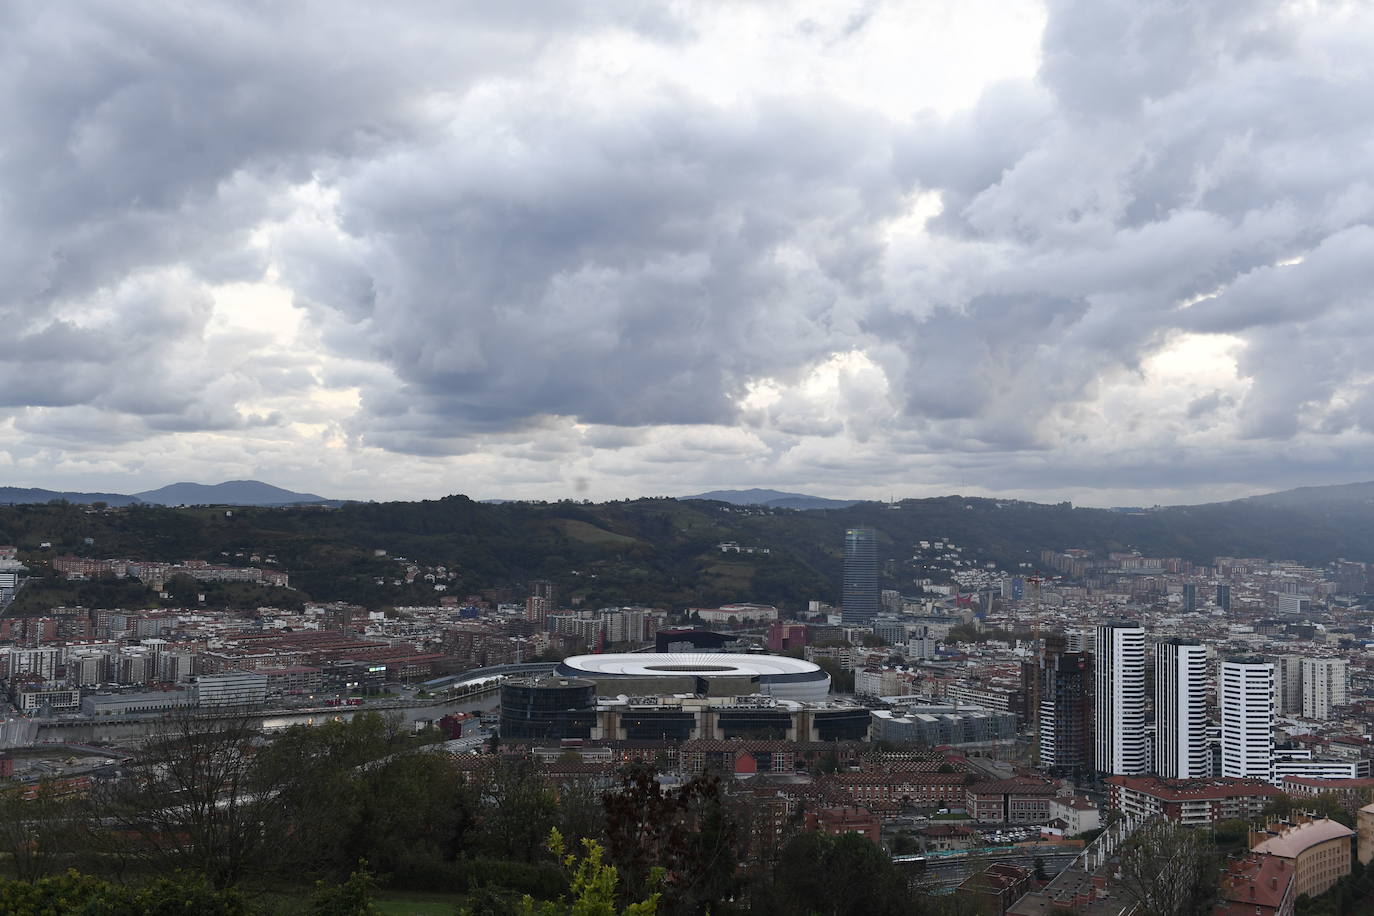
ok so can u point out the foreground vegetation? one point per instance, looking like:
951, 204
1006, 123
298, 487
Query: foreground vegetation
334, 818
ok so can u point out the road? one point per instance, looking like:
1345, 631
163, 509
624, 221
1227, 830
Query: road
949, 871
131, 730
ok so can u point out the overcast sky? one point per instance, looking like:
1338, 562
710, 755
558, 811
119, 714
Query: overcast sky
1113, 251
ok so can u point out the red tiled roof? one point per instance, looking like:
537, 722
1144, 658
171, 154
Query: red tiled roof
1014, 787
1194, 789
1317, 782
1254, 881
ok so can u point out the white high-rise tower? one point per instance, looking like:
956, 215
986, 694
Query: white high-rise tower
1247, 718
1181, 710
1120, 745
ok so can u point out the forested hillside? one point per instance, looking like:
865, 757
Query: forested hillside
660, 551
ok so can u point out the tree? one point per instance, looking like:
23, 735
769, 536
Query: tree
845, 875
197, 799
841, 680
36, 833
1170, 870
352, 898
1327, 804
592, 884
517, 808
687, 832
1280, 807
365, 790
580, 810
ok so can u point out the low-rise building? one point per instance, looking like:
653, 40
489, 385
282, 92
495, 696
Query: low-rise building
933, 726
839, 821
894, 791
1078, 814
1319, 851
32, 698
736, 613
1364, 822
996, 887
292, 678
1350, 791
1010, 801
1257, 885
130, 704
946, 837
241, 688
1190, 802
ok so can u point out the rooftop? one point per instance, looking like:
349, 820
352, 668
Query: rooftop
707, 664
1194, 789
1017, 786
1294, 841
1317, 782
1254, 881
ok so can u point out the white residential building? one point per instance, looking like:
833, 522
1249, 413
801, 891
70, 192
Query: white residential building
1287, 684
1325, 683
1247, 718
1121, 745
1181, 750
1078, 814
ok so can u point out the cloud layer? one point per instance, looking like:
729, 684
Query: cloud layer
1110, 251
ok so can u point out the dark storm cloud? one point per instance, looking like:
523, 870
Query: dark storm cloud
143, 138
629, 267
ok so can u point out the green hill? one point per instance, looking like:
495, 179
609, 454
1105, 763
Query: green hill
663, 551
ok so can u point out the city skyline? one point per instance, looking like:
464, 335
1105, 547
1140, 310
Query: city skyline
1052, 251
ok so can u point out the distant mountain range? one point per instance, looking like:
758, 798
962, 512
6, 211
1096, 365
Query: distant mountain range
15, 496
776, 499
1312, 497
257, 493
229, 493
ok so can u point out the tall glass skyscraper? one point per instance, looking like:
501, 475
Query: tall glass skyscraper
1066, 708
859, 601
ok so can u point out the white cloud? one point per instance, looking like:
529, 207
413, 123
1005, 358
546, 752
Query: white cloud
1113, 251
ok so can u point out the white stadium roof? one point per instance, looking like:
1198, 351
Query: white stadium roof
699, 664
779, 676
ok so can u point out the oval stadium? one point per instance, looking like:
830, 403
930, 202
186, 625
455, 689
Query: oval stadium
703, 673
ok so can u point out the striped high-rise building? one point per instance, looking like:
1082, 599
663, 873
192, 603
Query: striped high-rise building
1181, 750
1246, 698
1120, 745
